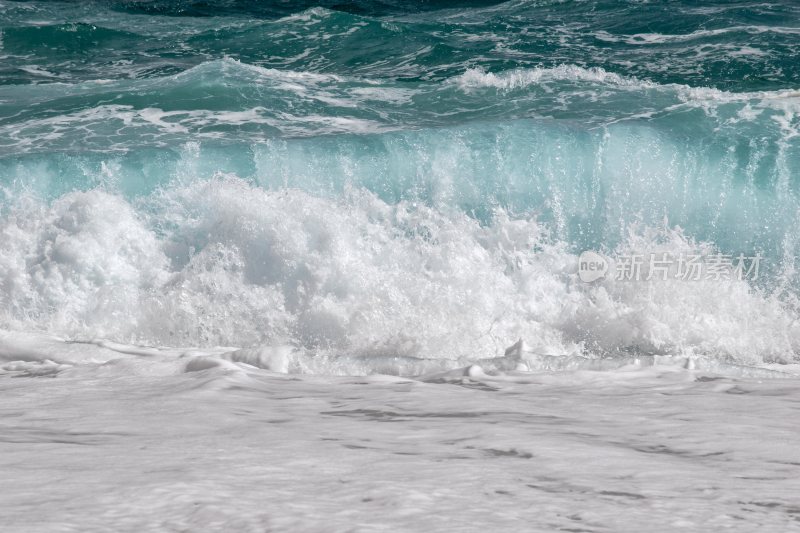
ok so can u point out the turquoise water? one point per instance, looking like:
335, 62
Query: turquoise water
407, 179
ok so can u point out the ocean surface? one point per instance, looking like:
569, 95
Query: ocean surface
317, 265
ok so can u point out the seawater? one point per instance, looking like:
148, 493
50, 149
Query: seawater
393, 181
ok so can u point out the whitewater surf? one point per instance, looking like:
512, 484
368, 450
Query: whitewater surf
358, 266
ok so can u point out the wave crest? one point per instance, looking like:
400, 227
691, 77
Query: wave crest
223, 263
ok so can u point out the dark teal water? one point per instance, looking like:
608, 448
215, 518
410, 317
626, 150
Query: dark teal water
738, 46
599, 121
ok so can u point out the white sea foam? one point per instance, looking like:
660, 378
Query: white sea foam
671, 96
220, 448
35, 69
659, 38
270, 103
354, 280
520, 78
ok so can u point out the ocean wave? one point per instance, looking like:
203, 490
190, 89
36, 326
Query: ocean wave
380, 190
525, 78
659, 38
392, 41
235, 101
521, 78
220, 262
589, 183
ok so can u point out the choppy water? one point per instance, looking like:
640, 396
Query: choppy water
216, 215
397, 179
379, 179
